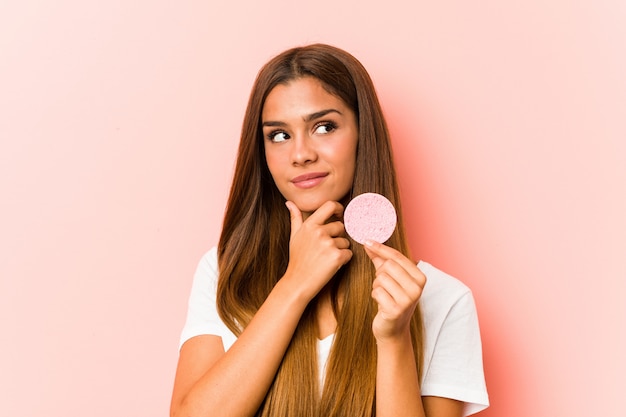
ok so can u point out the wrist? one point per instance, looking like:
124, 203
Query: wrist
292, 292
397, 342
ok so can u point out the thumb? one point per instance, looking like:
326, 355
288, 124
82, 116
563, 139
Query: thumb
376, 260
296, 217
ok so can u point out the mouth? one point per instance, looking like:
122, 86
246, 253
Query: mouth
309, 180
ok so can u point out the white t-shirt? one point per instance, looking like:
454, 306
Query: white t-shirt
453, 365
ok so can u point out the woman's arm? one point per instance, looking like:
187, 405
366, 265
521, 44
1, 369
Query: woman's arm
397, 289
397, 386
211, 382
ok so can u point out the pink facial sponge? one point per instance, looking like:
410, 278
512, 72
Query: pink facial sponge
370, 216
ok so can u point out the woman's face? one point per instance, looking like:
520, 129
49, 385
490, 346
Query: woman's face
310, 138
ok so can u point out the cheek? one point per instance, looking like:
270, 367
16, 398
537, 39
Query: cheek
350, 158
350, 171
272, 161
347, 162
351, 163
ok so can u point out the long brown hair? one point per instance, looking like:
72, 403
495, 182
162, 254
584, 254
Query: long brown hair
253, 250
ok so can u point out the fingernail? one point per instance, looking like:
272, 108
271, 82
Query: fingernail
369, 243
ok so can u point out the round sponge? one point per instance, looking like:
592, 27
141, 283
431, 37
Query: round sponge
370, 216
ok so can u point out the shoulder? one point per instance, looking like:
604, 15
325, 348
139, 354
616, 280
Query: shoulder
442, 290
205, 278
208, 262
447, 305
202, 317
453, 365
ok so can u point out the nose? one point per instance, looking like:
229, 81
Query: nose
303, 151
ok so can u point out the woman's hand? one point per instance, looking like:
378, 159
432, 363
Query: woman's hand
397, 288
317, 247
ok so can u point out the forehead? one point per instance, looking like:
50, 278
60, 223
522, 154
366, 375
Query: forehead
302, 96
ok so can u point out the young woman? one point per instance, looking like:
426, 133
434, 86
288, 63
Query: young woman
289, 316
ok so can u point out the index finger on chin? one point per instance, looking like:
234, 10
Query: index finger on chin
326, 211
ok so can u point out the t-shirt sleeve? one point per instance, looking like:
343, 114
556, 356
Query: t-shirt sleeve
456, 367
202, 316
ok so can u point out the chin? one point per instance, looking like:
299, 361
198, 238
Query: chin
312, 204
308, 207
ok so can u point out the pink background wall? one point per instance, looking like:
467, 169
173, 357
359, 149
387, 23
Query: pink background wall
118, 129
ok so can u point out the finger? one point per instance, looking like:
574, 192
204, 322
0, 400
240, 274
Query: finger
403, 295
326, 211
342, 243
397, 272
405, 280
295, 216
388, 253
376, 260
346, 255
334, 229
384, 251
384, 300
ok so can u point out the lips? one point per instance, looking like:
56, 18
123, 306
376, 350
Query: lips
309, 180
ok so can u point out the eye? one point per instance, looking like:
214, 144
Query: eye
278, 136
325, 127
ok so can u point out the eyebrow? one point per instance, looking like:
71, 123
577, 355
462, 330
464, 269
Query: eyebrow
306, 118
